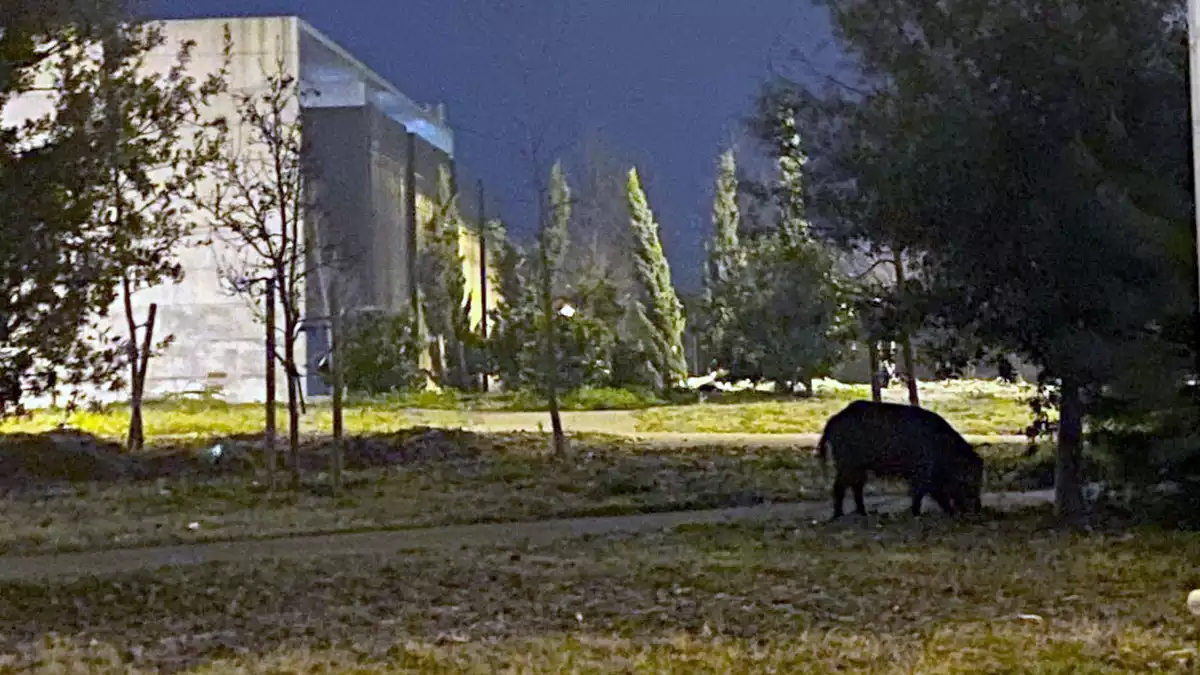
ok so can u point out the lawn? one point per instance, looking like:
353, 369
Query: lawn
57, 501
971, 406
207, 418
887, 595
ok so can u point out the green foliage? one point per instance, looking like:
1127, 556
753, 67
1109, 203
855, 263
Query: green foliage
584, 343
554, 238
610, 398
86, 188
772, 306
783, 327
660, 312
445, 304
1037, 154
515, 337
724, 251
726, 263
382, 353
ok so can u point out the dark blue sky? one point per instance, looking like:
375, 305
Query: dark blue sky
664, 83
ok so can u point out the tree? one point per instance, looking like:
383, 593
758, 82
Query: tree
787, 320
726, 259
552, 247
444, 292
989, 140
263, 213
661, 313
602, 243
515, 339
154, 167
56, 287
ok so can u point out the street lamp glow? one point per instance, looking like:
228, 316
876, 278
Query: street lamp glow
567, 311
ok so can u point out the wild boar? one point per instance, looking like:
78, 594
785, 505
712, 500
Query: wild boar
889, 439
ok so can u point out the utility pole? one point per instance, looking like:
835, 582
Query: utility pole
483, 279
1194, 71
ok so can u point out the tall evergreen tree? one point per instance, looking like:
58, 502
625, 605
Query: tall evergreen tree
444, 287
725, 257
662, 309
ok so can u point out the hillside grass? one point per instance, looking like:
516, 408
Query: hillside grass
866, 596
414, 479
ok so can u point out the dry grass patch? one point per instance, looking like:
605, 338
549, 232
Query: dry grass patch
415, 478
874, 596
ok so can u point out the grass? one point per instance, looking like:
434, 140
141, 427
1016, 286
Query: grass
411, 479
971, 406
974, 407
877, 596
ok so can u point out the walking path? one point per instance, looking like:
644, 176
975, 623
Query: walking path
111, 562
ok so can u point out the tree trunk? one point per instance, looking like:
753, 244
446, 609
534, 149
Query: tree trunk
269, 433
289, 358
437, 349
139, 364
466, 380
910, 366
910, 370
1068, 494
876, 385
551, 365
335, 312
133, 442
807, 382
137, 423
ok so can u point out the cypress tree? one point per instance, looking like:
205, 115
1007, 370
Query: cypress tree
663, 311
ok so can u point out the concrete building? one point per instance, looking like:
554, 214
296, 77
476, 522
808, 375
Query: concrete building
377, 155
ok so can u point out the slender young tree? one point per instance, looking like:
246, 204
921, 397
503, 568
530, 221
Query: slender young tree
151, 120
262, 209
552, 249
662, 309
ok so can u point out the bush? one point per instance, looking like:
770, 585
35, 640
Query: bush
382, 354
609, 398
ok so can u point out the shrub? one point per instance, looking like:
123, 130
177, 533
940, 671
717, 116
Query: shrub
609, 398
382, 354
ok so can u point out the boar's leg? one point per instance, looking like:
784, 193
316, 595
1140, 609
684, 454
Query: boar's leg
918, 493
943, 501
860, 507
839, 494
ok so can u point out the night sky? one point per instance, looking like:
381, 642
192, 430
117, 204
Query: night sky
664, 83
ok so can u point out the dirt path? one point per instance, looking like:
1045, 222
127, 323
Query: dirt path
101, 563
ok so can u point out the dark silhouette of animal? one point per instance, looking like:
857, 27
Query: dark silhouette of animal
893, 440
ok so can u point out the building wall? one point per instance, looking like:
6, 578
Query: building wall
219, 339
357, 129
